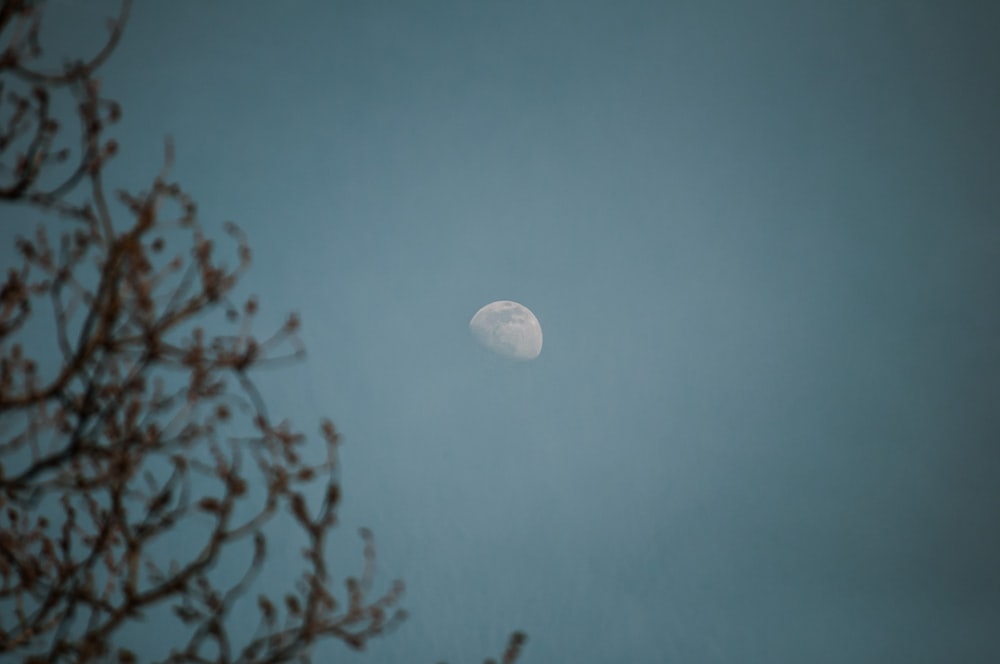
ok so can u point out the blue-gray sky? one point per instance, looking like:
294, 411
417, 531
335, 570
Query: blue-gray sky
763, 242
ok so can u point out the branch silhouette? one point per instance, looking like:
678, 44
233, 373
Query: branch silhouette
134, 434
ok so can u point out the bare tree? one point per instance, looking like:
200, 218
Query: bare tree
124, 422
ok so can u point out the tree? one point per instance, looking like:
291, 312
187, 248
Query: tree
146, 425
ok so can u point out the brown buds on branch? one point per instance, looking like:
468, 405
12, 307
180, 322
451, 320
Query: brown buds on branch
128, 424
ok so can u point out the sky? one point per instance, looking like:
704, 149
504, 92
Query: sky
763, 243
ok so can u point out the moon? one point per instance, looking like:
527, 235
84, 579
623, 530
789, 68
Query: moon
509, 329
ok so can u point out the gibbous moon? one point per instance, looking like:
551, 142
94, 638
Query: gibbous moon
509, 329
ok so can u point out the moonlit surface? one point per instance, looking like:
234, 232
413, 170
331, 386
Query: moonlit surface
509, 329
